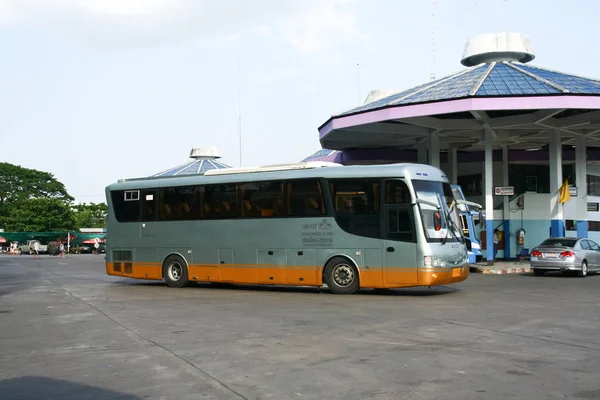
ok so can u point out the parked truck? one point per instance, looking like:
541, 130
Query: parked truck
27, 248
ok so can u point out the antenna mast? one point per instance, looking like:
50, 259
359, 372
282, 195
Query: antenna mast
505, 14
357, 83
433, 7
239, 98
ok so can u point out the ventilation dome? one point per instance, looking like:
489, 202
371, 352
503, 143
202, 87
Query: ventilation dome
505, 46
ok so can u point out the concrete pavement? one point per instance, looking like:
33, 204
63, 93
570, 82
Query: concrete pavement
68, 331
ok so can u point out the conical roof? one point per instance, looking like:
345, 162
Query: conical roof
494, 79
202, 159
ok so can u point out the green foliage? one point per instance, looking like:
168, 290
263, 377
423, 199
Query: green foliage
18, 183
90, 215
34, 201
38, 215
20, 188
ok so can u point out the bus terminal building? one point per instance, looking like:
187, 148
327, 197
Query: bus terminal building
509, 133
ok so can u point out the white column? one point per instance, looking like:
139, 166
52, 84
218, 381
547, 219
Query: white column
453, 164
556, 210
434, 150
581, 179
488, 193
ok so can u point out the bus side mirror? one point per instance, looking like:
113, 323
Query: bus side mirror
437, 221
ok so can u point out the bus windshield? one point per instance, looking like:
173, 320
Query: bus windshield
459, 196
439, 193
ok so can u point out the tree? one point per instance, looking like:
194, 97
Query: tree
90, 215
38, 215
19, 186
18, 183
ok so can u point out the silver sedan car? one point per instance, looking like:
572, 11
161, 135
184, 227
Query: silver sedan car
567, 255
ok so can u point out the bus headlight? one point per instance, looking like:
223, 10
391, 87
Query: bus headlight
430, 261
475, 246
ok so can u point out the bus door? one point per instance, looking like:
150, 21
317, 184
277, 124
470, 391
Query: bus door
149, 200
400, 250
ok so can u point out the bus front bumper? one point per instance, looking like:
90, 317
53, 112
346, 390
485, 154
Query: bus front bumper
442, 276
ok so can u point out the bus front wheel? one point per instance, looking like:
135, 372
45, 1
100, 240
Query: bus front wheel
175, 272
341, 276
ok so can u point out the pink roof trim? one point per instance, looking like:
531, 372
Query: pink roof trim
452, 106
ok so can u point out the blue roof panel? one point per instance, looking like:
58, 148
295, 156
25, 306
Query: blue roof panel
574, 84
458, 86
196, 166
504, 80
407, 94
321, 155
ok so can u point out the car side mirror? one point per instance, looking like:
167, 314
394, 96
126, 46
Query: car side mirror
437, 220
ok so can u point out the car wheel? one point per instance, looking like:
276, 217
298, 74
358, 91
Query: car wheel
584, 270
341, 276
539, 272
175, 272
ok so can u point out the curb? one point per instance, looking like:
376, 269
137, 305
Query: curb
501, 271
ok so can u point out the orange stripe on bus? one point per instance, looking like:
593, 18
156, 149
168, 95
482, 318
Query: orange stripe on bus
293, 275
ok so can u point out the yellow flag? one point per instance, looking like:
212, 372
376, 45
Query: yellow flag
564, 193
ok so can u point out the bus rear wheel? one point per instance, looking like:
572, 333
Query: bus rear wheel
341, 276
175, 272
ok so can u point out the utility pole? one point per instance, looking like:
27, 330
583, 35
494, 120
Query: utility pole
357, 83
239, 94
505, 14
433, 7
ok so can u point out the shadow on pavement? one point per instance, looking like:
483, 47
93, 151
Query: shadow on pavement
39, 387
557, 274
408, 292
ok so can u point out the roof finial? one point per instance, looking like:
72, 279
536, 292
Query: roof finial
502, 46
205, 152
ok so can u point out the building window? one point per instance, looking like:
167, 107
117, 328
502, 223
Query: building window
570, 225
593, 185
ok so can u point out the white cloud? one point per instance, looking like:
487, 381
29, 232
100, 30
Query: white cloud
312, 29
262, 30
308, 25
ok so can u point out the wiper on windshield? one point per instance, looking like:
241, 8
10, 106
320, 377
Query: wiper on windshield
451, 227
450, 221
451, 224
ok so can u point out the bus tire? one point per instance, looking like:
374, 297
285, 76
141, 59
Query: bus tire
341, 276
175, 272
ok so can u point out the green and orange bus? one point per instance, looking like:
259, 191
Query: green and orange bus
305, 224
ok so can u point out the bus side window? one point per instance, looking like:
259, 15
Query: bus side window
178, 203
149, 205
262, 199
396, 192
220, 201
305, 198
126, 206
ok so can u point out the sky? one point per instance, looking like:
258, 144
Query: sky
97, 90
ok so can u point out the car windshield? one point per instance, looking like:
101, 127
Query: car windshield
439, 193
559, 242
